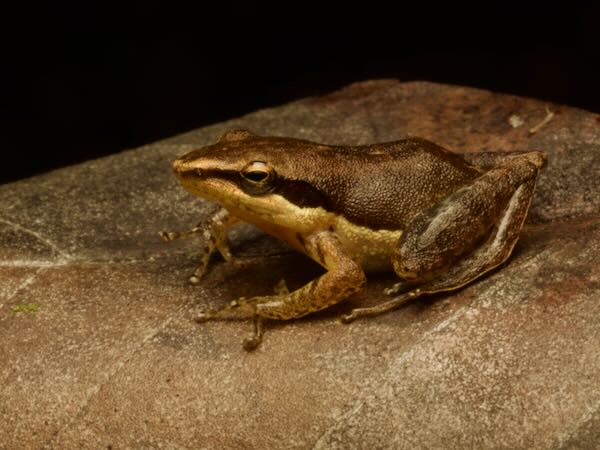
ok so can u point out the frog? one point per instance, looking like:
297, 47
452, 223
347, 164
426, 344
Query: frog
430, 215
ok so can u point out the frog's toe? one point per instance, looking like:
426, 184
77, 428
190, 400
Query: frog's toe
251, 343
281, 288
242, 305
401, 286
202, 316
169, 236
348, 318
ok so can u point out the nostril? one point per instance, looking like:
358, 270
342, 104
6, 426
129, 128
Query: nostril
178, 166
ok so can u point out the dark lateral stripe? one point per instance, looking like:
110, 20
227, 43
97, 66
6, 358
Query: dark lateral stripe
300, 193
303, 194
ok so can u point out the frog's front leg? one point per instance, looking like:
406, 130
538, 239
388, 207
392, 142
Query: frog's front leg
214, 234
466, 235
343, 278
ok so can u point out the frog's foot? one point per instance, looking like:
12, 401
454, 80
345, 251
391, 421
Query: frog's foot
213, 233
245, 306
207, 252
252, 342
394, 303
232, 312
213, 241
169, 236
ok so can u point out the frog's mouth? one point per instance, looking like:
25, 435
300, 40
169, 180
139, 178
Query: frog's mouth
223, 191
213, 189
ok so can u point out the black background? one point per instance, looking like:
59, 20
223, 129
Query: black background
85, 79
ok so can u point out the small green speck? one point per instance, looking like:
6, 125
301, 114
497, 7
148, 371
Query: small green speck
26, 308
190, 254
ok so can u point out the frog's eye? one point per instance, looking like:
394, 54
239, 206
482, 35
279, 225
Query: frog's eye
258, 172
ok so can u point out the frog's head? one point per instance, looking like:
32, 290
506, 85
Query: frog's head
260, 178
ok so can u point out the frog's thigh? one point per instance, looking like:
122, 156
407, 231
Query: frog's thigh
495, 250
486, 257
438, 238
343, 278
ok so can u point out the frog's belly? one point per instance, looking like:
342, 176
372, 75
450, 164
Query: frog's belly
372, 249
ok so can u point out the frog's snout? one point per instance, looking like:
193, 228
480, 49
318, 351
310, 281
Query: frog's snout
179, 166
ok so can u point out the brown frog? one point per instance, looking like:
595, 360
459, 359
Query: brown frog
409, 205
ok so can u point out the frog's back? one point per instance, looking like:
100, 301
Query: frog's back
384, 186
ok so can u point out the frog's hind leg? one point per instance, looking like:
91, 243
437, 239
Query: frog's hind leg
488, 255
343, 278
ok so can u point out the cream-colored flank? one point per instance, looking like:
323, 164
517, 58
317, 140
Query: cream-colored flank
275, 215
372, 249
